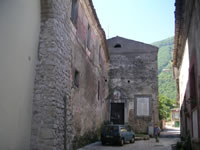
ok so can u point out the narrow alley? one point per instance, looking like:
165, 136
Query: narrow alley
80, 74
168, 138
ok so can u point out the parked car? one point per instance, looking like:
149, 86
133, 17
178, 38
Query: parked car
117, 134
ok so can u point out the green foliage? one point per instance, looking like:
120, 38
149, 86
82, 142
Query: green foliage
167, 85
165, 52
165, 106
165, 42
164, 56
184, 144
166, 82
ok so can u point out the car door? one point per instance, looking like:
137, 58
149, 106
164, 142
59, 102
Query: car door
122, 133
128, 133
125, 134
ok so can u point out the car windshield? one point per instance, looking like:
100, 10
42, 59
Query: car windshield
111, 128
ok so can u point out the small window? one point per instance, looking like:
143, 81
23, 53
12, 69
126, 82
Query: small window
99, 54
98, 90
76, 78
88, 36
117, 46
74, 12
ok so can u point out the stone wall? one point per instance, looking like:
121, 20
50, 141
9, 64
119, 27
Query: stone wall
89, 106
63, 111
52, 114
133, 73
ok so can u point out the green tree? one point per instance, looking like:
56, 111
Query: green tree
165, 52
165, 106
167, 84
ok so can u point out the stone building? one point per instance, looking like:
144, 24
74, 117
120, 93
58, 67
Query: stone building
133, 84
54, 64
186, 67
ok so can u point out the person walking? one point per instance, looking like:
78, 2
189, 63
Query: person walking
156, 132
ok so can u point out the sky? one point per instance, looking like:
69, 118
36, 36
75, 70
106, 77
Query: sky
146, 21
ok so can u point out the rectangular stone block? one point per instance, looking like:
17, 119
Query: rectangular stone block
46, 133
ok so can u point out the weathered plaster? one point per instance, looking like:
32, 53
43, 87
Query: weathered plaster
133, 72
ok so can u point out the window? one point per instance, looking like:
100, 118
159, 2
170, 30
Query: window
98, 88
76, 78
100, 55
88, 36
74, 12
176, 115
117, 46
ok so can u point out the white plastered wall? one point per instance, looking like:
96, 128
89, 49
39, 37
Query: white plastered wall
184, 73
19, 37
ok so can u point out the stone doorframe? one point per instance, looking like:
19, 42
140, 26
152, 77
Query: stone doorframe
126, 109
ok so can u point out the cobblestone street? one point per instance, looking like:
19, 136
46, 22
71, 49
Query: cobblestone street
168, 138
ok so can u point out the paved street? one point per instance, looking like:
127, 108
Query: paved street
167, 138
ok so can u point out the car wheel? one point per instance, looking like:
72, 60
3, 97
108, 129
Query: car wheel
132, 140
103, 142
121, 142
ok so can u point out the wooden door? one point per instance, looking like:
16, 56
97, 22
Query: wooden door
117, 113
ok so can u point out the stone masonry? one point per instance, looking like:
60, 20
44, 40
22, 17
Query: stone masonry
63, 109
52, 114
71, 99
133, 82
91, 61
